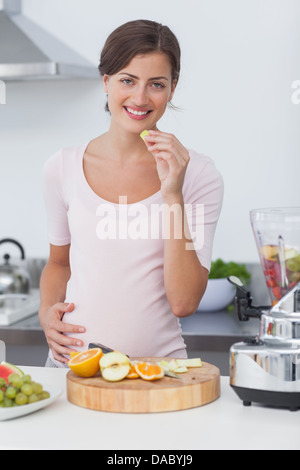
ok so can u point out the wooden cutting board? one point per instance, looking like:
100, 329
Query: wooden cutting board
197, 387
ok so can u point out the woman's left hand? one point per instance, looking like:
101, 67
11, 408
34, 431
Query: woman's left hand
172, 159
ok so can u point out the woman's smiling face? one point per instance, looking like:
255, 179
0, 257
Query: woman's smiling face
139, 93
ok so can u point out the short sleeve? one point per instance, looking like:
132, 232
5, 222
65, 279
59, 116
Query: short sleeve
55, 201
203, 203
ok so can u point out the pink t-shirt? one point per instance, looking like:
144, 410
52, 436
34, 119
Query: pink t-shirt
117, 254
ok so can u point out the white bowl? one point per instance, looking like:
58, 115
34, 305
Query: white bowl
218, 295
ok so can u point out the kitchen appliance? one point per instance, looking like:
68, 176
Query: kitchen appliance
14, 279
277, 235
18, 300
29, 52
265, 369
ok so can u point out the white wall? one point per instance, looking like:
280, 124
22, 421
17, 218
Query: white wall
239, 59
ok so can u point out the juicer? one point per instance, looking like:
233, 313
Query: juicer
265, 369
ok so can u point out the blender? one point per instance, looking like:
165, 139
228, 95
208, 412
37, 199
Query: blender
265, 369
277, 236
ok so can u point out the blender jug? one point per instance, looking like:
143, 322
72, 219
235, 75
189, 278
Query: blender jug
277, 236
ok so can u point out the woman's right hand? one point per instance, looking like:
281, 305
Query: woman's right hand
55, 330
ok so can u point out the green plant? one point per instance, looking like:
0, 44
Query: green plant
220, 269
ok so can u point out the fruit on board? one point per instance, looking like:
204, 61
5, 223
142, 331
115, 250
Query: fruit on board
143, 134
20, 390
193, 362
114, 366
173, 365
86, 363
73, 354
180, 370
132, 374
148, 371
179, 366
6, 369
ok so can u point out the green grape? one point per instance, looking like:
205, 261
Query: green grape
7, 403
12, 377
2, 382
11, 392
26, 379
37, 388
44, 395
20, 390
33, 398
21, 399
15, 380
27, 389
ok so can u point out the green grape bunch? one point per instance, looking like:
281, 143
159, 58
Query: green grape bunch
20, 390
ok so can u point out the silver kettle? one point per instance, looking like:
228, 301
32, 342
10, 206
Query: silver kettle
13, 279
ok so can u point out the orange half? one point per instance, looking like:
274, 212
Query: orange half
86, 363
73, 354
148, 371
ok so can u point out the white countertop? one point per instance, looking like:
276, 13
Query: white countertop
224, 424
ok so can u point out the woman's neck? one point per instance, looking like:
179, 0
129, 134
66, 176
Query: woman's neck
125, 146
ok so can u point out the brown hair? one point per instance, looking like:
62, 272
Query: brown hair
135, 38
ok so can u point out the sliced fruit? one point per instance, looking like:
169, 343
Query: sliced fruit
86, 363
73, 354
293, 264
193, 362
179, 366
271, 282
294, 277
180, 370
132, 374
290, 253
164, 365
277, 292
269, 252
148, 371
173, 364
143, 134
6, 369
114, 366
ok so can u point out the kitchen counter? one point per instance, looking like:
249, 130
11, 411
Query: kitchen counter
223, 424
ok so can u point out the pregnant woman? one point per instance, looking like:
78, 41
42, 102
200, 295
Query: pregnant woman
131, 220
